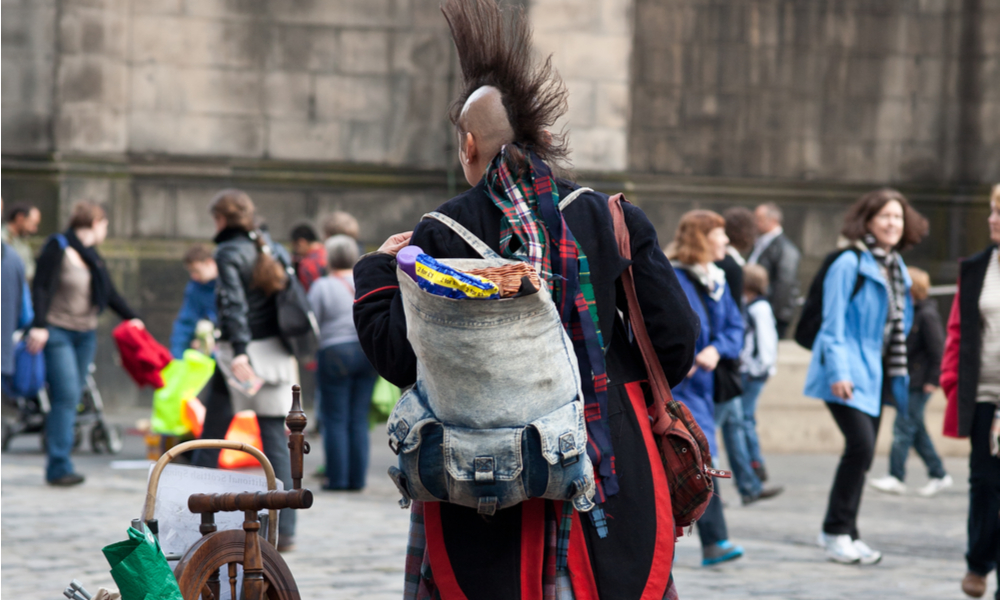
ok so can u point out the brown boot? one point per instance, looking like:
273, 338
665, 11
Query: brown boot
974, 584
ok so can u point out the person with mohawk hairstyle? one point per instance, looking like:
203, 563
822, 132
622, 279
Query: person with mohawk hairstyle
537, 550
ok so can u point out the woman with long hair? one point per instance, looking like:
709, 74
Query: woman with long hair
253, 360
72, 288
859, 356
343, 373
700, 241
970, 378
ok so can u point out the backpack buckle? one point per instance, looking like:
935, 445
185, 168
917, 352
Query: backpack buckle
488, 505
484, 471
567, 444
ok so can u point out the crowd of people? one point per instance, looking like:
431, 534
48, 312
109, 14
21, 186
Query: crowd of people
714, 303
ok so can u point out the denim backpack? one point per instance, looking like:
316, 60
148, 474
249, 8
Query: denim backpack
496, 416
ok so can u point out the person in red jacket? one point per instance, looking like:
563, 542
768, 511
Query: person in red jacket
970, 377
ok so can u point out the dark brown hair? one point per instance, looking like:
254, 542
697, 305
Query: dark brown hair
85, 214
866, 207
196, 254
495, 50
740, 228
238, 211
691, 241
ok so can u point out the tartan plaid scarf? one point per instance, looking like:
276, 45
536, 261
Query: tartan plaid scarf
534, 230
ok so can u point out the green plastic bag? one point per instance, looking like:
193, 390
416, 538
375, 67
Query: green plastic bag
182, 380
140, 569
384, 398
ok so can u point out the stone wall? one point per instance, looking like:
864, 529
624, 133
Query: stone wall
591, 45
28, 67
847, 90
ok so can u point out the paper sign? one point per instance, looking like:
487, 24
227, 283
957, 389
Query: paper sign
178, 526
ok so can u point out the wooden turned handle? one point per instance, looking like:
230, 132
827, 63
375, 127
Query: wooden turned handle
297, 445
249, 501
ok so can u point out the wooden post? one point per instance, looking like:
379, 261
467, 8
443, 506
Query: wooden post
296, 422
253, 564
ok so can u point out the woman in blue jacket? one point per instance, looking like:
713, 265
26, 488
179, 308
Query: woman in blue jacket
700, 241
859, 356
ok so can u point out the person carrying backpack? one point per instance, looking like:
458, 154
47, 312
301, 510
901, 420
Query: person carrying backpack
512, 211
859, 354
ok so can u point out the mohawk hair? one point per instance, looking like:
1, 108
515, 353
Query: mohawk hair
494, 50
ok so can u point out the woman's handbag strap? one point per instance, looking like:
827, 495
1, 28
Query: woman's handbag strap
470, 238
654, 371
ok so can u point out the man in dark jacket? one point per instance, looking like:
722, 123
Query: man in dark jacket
503, 556
776, 253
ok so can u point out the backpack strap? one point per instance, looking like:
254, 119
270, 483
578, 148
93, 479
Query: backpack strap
573, 196
61, 240
470, 238
860, 280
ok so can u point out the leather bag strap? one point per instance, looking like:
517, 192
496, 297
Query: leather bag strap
657, 380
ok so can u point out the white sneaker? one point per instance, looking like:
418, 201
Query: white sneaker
840, 548
936, 485
889, 485
868, 556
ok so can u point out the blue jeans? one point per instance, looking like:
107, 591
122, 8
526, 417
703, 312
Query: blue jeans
729, 418
68, 355
752, 387
909, 430
346, 380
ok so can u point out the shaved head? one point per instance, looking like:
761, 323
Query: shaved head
484, 116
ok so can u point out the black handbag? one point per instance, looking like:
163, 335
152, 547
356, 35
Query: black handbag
728, 381
296, 321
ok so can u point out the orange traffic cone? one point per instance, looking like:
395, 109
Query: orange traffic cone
244, 428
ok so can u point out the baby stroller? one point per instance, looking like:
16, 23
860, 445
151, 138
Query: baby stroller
105, 438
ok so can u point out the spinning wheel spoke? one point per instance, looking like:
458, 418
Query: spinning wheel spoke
232, 580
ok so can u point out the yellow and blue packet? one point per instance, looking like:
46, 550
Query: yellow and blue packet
442, 280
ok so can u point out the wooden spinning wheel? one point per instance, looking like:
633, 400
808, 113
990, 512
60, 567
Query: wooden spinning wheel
213, 560
211, 564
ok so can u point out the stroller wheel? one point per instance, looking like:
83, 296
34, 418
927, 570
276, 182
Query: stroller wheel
8, 432
106, 439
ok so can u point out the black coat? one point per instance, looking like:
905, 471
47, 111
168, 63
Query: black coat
627, 560
972, 274
925, 345
245, 312
673, 327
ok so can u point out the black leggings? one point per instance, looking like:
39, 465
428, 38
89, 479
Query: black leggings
984, 495
860, 432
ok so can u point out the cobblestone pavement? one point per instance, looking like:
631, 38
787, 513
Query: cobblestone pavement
352, 545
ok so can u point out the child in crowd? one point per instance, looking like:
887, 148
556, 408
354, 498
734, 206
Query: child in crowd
308, 254
924, 347
759, 356
199, 299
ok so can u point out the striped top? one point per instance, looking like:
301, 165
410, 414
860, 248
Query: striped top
989, 309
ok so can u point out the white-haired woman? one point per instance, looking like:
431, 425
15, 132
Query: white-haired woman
343, 373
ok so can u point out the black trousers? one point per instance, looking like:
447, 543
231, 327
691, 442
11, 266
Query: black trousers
219, 414
860, 432
984, 495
